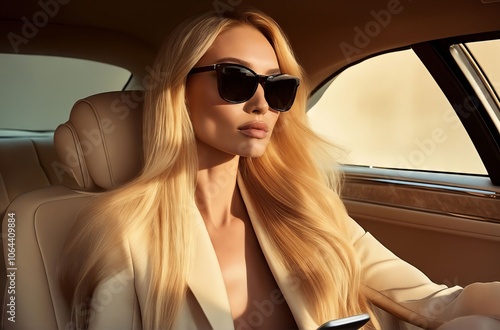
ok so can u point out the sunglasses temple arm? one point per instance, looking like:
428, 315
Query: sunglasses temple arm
203, 69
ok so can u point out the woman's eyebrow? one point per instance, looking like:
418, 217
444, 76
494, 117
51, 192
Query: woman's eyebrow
244, 63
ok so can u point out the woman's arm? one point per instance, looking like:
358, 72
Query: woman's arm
404, 291
114, 304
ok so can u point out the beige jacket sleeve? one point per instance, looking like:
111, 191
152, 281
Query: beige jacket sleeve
402, 290
114, 303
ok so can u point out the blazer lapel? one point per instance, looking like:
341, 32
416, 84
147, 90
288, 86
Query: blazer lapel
205, 279
207, 284
288, 285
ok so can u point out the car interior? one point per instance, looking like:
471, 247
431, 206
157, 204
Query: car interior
70, 129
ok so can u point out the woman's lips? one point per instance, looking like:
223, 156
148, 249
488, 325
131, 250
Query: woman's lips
254, 129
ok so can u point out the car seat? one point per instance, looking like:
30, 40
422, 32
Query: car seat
100, 145
27, 162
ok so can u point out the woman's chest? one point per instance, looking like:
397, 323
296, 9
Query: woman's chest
255, 299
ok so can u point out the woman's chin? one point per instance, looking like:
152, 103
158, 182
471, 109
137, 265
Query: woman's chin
251, 149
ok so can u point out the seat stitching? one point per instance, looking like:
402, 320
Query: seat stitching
44, 262
82, 165
103, 141
39, 161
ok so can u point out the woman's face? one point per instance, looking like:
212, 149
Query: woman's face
242, 129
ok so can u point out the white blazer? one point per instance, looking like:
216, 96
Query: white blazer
389, 283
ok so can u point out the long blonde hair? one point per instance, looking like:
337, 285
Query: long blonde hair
291, 187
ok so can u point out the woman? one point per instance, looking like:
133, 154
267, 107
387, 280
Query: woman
234, 220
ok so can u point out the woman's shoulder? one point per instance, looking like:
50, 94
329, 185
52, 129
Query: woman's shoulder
139, 252
109, 232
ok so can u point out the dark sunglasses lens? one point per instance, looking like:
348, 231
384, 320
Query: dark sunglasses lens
237, 84
280, 92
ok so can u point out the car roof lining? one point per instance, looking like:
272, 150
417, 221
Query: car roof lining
137, 29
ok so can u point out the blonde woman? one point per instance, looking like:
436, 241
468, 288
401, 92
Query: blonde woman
234, 221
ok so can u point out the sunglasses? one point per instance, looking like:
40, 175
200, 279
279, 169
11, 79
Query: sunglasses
237, 84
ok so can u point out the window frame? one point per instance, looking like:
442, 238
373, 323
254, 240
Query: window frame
437, 58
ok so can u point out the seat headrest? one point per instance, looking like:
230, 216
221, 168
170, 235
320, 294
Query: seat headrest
101, 143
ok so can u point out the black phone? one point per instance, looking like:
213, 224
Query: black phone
347, 323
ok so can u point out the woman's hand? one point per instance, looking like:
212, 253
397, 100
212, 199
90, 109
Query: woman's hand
476, 322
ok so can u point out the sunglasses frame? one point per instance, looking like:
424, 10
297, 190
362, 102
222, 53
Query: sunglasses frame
261, 79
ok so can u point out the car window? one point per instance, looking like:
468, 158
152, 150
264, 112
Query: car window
37, 92
388, 112
487, 55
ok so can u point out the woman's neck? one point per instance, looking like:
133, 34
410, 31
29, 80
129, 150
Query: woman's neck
216, 189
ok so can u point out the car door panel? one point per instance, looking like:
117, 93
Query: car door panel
452, 237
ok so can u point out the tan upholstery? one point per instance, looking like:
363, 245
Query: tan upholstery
101, 146
101, 142
27, 164
43, 219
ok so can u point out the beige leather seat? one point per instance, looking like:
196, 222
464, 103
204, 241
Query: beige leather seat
27, 163
101, 146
